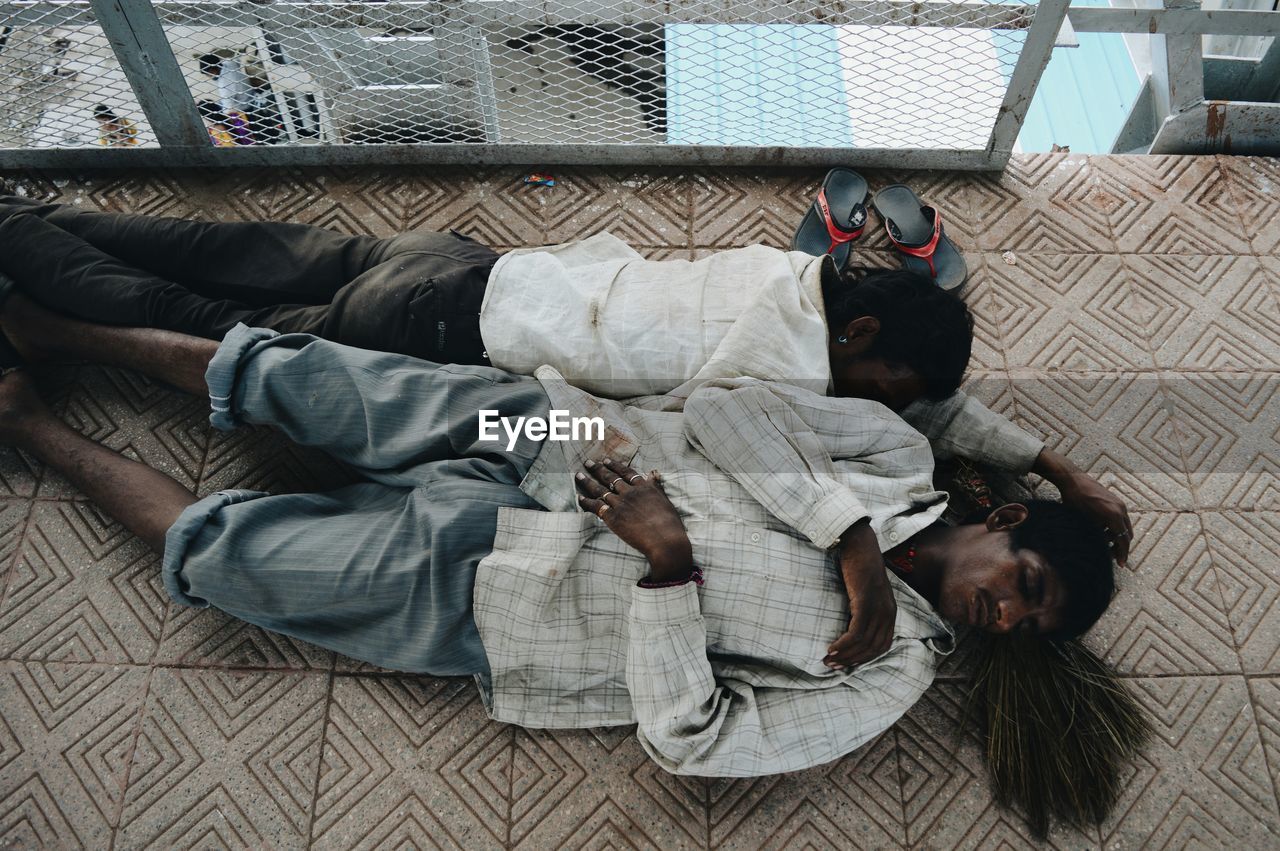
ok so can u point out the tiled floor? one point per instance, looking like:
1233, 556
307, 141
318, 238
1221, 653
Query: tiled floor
1128, 311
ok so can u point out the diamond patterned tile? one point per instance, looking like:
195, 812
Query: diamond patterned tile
1169, 205
1265, 692
1206, 312
787, 195
1203, 779
1168, 615
989, 307
1042, 203
259, 458
82, 590
729, 211
411, 762
408, 199
571, 788
13, 521
1246, 556
855, 802
208, 638
1255, 189
1115, 426
640, 208
224, 194
582, 202
1073, 312
225, 758
153, 192
1228, 427
1272, 266
66, 735
993, 389
19, 473
663, 252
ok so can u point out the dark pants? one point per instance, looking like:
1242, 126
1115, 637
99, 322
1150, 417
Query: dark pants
417, 294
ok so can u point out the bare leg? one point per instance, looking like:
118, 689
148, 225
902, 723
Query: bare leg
179, 360
146, 501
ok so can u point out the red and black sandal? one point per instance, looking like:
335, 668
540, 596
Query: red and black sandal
838, 217
916, 230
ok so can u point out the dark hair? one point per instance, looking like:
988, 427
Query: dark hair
210, 63
1076, 548
103, 113
923, 327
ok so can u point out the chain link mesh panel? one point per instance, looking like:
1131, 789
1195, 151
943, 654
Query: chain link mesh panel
795, 73
60, 83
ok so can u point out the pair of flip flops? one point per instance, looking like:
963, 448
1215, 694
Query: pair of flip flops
839, 216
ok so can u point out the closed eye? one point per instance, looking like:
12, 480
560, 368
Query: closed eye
1032, 587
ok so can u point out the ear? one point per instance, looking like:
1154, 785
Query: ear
1006, 517
859, 335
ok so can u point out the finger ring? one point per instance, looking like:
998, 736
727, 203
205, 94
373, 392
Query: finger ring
632, 480
601, 510
614, 482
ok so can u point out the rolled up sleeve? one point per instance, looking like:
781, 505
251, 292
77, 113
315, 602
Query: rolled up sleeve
183, 533
224, 369
751, 433
962, 426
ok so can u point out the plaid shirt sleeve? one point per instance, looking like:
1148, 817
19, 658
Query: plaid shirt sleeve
691, 723
747, 430
962, 426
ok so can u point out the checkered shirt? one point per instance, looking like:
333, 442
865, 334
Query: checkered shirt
724, 679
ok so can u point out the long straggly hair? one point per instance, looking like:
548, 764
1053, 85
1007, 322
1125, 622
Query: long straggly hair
1058, 725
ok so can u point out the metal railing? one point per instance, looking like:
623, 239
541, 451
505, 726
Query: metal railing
225, 82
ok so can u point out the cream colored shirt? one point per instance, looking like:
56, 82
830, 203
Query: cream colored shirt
620, 326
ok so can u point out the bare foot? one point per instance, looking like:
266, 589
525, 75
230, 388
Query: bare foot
21, 408
27, 325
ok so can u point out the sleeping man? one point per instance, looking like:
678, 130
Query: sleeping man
677, 569
608, 320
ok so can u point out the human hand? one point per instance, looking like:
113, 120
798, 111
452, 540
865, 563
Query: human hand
635, 508
1087, 494
872, 607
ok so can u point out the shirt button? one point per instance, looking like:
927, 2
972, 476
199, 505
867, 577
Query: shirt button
893, 536
755, 537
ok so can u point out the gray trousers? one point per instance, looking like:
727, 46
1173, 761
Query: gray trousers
381, 571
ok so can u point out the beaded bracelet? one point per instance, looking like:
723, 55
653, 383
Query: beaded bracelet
694, 576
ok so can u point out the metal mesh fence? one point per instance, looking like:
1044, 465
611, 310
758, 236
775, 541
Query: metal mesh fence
868, 74
60, 83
